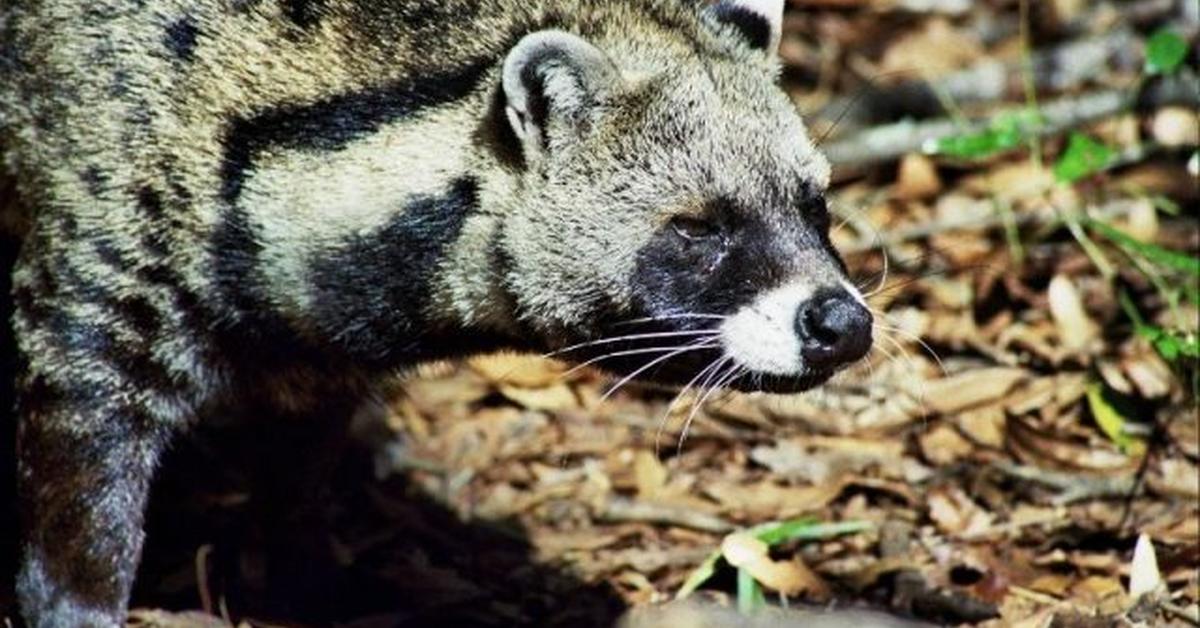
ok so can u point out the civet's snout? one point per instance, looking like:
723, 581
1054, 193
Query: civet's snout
795, 330
834, 329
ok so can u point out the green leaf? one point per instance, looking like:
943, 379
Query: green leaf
1153, 252
1169, 344
1006, 132
1084, 156
749, 593
1165, 51
1111, 421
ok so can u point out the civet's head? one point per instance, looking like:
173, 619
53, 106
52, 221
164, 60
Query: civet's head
671, 194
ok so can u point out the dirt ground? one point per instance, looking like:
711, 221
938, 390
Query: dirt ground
1012, 192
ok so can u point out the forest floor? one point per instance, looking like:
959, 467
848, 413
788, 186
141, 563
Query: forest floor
1021, 448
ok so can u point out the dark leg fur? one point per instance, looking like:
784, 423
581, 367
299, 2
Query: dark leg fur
85, 461
95, 412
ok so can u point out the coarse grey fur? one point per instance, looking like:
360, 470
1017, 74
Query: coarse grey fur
262, 206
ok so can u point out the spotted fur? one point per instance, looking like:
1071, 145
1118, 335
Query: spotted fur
283, 200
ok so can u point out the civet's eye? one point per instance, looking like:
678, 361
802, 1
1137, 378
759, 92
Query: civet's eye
694, 228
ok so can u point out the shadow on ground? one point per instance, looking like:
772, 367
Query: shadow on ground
401, 559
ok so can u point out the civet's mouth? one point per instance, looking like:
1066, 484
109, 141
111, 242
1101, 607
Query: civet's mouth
789, 339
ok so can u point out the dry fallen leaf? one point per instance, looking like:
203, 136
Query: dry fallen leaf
555, 397
955, 513
1076, 329
944, 445
1149, 374
148, 618
1053, 584
1144, 576
917, 178
1177, 477
767, 500
523, 370
649, 473
939, 47
1101, 593
971, 388
984, 425
1011, 182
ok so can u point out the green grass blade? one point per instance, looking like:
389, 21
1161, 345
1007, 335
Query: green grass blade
806, 529
699, 576
1152, 252
750, 596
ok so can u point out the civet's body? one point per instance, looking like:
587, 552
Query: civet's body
265, 205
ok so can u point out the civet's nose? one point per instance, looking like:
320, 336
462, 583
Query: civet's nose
834, 329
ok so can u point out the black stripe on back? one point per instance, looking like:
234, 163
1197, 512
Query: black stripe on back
333, 123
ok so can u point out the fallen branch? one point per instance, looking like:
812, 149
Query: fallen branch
891, 141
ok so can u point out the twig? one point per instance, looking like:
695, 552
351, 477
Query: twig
622, 510
1072, 487
891, 141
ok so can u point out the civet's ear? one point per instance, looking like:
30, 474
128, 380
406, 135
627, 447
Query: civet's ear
759, 22
553, 82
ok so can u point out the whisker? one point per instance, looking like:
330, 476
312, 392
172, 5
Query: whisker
702, 344
917, 339
887, 354
879, 242
886, 265
914, 374
858, 95
706, 388
670, 317
662, 423
617, 354
734, 371
613, 339
927, 274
